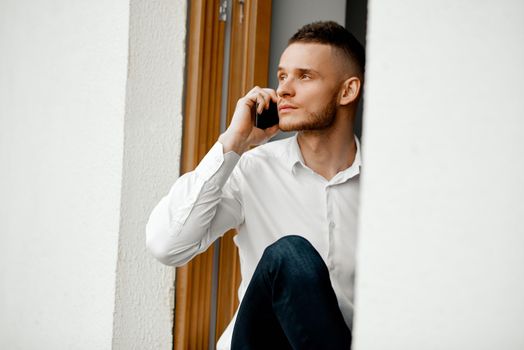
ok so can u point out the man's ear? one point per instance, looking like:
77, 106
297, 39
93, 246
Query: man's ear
350, 91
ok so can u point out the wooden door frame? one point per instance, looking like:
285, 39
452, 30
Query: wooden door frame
251, 21
249, 66
201, 129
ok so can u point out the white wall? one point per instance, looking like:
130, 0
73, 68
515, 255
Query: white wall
441, 248
153, 133
78, 140
63, 68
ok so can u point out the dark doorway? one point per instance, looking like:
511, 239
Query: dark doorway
356, 23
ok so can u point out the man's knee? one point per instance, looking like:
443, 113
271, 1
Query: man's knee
290, 246
296, 255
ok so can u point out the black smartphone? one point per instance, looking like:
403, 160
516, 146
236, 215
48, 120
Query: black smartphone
268, 117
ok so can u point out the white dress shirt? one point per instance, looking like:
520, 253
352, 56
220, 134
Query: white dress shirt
266, 194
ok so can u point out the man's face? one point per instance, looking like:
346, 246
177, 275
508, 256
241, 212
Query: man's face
309, 78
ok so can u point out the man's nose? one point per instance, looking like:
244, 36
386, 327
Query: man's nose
285, 88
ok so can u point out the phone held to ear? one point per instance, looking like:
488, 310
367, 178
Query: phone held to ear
268, 117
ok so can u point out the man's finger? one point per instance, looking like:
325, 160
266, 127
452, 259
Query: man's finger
273, 94
261, 102
262, 97
267, 99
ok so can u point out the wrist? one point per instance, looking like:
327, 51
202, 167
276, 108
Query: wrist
233, 142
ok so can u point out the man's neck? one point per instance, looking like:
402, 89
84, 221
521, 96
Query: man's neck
329, 151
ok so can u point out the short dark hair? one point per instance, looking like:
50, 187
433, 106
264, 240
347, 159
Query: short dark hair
332, 33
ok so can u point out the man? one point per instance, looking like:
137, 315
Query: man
294, 202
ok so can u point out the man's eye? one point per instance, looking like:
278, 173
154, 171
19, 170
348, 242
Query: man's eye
305, 76
281, 77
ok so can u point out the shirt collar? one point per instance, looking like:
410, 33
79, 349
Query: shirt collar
295, 159
294, 155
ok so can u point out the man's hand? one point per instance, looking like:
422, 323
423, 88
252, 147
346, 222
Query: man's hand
242, 133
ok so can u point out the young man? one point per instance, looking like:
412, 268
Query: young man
294, 202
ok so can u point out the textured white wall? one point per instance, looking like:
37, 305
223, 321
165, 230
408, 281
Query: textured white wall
153, 134
441, 248
89, 141
63, 67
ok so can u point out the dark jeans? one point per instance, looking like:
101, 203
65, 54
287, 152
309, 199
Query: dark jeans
290, 303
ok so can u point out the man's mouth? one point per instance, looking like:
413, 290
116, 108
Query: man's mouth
286, 107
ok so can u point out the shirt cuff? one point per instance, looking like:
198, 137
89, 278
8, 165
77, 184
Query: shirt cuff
216, 166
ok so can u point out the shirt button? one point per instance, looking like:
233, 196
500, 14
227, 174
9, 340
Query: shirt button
331, 225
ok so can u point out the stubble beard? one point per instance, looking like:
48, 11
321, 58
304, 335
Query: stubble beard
316, 121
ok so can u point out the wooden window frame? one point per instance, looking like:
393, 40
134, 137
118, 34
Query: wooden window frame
201, 128
249, 60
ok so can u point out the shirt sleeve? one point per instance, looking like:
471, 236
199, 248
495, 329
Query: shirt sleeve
200, 207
